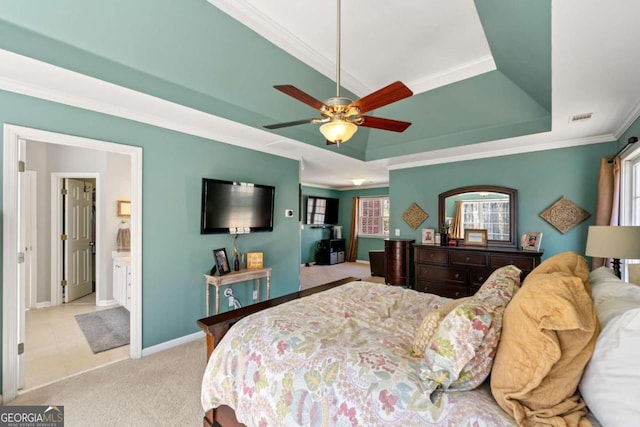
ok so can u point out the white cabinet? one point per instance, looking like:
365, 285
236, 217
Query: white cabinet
122, 282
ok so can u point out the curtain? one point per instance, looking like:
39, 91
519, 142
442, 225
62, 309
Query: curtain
456, 222
352, 251
608, 199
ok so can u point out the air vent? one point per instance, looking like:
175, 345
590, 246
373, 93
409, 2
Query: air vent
580, 117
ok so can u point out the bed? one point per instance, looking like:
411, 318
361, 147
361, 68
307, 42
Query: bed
355, 353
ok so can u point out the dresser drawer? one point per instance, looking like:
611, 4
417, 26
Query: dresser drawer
432, 255
526, 264
442, 290
469, 258
478, 277
442, 274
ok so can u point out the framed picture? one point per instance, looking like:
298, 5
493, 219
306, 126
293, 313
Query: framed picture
531, 241
428, 236
124, 208
473, 237
254, 261
222, 262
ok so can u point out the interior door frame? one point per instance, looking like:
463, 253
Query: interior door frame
30, 219
56, 231
10, 278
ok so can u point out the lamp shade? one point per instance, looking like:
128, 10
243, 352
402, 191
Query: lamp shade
338, 130
621, 242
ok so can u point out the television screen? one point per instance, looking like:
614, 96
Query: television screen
236, 207
322, 210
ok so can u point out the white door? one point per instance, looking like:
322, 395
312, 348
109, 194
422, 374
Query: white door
77, 248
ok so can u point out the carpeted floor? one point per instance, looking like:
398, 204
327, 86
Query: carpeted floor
315, 275
161, 389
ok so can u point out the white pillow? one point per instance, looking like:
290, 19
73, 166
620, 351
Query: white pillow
610, 381
604, 284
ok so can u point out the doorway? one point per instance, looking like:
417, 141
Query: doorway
13, 325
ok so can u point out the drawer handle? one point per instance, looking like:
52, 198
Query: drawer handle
480, 279
468, 259
457, 293
457, 276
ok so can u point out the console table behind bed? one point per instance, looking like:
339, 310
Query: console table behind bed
216, 326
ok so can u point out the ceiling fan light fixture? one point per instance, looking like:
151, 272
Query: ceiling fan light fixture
338, 131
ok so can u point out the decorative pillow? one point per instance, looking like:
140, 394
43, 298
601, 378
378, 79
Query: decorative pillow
430, 324
461, 353
550, 330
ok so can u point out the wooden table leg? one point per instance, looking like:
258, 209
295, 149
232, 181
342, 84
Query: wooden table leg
206, 293
217, 299
268, 286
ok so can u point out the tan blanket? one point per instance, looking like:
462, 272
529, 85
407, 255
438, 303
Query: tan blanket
549, 333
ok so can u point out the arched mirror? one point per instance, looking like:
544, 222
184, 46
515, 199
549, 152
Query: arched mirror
487, 207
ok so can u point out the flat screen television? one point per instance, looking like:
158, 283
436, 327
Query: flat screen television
235, 207
322, 210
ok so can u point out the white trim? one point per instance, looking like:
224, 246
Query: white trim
12, 134
56, 230
172, 343
107, 303
455, 74
45, 304
10, 264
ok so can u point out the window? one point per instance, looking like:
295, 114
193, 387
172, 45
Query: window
487, 214
373, 220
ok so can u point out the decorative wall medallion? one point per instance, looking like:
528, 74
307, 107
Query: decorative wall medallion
564, 214
414, 215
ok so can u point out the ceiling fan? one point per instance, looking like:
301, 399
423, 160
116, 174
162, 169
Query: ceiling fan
340, 116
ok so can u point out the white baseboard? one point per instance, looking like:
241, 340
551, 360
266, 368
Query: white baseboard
362, 261
106, 303
45, 304
172, 343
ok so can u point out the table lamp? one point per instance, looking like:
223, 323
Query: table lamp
616, 242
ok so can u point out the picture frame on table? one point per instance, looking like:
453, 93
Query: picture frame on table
255, 260
531, 241
222, 261
428, 236
475, 237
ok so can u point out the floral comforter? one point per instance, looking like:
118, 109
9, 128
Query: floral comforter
338, 358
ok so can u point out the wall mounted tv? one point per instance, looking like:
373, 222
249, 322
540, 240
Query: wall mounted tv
235, 207
322, 210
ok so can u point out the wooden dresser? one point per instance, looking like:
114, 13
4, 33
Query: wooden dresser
459, 271
397, 261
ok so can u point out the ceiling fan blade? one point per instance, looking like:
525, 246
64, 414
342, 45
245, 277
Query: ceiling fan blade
294, 123
387, 95
384, 124
300, 96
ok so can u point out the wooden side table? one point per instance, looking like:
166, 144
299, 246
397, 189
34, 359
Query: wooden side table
236, 277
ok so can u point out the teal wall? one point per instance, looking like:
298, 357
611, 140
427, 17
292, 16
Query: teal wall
541, 178
311, 235
175, 255
365, 244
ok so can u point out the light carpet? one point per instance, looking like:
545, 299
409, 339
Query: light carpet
315, 275
158, 390
105, 329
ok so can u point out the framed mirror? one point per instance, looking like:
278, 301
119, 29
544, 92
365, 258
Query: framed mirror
484, 207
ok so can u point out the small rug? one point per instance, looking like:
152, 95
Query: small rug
105, 329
